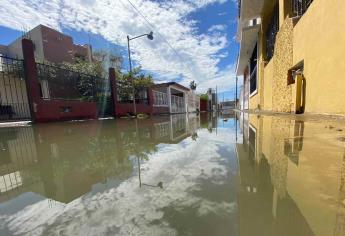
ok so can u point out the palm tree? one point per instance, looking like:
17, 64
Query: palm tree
192, 85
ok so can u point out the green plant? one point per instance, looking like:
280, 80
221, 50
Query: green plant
204, 96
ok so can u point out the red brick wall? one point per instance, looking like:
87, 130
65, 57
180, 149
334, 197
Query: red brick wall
122, 109
203, 105
58, 47
58, 110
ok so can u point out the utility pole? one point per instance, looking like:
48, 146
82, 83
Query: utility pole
216, 98
131, 75
236, 93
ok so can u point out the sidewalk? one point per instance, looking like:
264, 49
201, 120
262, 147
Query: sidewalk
15, 124
302, 117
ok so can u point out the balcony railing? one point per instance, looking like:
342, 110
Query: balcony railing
299, 7
159, 98
177, 104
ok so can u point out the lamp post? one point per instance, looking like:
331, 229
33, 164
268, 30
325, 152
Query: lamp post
150, 37
236, 93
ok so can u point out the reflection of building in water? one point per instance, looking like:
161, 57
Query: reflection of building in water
288, 187
294, 145
340, 218
261, 212
18, 154
208, 120
175, 128
62, 161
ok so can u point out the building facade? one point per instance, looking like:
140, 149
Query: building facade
227, 105
193, 102
212, 99
50, 45
169, 98
291, 55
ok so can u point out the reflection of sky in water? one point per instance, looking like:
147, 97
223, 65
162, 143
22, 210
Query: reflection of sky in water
198, 195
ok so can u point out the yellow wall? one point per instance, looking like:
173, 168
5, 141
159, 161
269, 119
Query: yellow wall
263, 98
268, 81
319, 40
254, 102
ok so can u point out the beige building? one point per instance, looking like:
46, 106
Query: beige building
291, 55
193, 102
173, 98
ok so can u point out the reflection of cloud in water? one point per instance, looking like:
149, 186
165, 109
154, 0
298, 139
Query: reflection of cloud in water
129, 209
223, 208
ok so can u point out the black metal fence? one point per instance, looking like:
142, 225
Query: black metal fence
59, 83
14, 103
125, 93
63, 84
299, 7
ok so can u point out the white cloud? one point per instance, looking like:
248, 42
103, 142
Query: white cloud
217, 28
224, 80
198, 54
130, 210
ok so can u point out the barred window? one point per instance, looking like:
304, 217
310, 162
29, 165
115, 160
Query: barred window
299, 7
271, 33
160, 99
253, 70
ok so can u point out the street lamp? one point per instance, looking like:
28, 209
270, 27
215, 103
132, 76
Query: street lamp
236, 93
150, 37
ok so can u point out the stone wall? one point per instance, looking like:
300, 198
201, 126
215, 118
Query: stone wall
282, 62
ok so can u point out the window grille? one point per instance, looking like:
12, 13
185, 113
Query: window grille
160, 99
271, 33
299, 7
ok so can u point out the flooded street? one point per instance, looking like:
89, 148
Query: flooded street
174, 175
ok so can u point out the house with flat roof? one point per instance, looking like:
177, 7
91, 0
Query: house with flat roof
172, 98
49, 45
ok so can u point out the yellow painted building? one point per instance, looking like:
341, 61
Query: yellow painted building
291, 55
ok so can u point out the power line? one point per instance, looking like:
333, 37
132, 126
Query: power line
152, 26
155, 29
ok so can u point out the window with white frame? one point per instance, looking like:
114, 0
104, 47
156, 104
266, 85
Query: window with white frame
159, 98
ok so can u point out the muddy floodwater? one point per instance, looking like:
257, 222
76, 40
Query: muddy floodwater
232, 174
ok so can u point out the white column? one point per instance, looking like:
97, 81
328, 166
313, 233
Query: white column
185, 102
169, 99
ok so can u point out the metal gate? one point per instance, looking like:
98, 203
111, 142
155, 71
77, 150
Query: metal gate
14, 104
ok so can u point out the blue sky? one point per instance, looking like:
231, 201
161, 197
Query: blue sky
202, 33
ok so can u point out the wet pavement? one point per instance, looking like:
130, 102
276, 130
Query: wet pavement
233, 174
